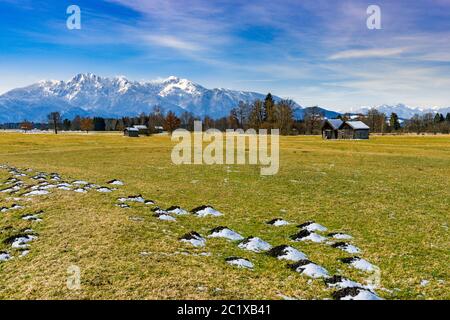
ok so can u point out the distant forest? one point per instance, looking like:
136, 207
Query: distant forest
261, 114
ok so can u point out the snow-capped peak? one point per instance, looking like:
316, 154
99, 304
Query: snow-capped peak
89, 94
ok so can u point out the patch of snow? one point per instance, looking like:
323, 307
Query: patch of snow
352, 293
224, 232
21, 242
309, 269
254, 244
349, 248
340, 236
4, 256
177, 210
116, 182
80, 190
287, 253
278, 222
359, 263
80, 182
37, 193
305, 235
104, 190
315, 227
194, 238
239, 262
204, 211
341, 282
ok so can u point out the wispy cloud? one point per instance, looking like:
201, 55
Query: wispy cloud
367, 53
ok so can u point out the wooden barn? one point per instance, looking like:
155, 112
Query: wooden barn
131, 132
338, 129
143, 130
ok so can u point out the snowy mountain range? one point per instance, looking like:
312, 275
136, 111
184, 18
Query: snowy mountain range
91, 95
403, 111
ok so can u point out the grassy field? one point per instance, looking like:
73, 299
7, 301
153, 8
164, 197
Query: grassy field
392, 194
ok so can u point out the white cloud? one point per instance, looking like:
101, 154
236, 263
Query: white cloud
173, 42
367, 53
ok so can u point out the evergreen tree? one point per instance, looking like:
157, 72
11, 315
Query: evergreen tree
394, 122
447, 118
269, 109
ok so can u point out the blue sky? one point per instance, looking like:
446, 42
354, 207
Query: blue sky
317, 52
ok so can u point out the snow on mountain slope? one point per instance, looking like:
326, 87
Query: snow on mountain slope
404, 111
89, 94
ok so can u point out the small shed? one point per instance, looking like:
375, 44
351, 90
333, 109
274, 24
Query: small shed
143, 130
354, 130
131, 132
338, 129
330, 128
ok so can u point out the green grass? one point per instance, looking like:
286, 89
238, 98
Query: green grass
391, 193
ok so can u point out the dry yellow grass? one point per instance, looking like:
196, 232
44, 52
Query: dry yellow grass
391, 193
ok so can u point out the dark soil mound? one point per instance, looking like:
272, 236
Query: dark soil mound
300, 263
307, 223
339, 245
195, 210
191, 235
333, 280
302, 234
277, 251
342, 293
273, 221
349, 260
217, 229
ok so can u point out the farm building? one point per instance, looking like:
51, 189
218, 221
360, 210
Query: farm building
131, 132
143, 130
339, 129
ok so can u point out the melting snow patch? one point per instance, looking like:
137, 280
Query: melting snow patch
137, 198
33, 217
20, 241
158, 210
204, 211
80, 182
177, 210
353, 293
164, 216
194, 238
278, 222
305, 235
309, 269
341, 282
239, 262
254, 244
224, 232
359, 263
123, 205
116, 182
104, 190
149, 202
287, 253
80, 190
312, 226
340, 236
4, 256
37, 193
346, 247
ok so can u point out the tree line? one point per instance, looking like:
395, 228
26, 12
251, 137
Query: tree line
260, 114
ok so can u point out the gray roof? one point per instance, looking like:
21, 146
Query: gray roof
335, 123
356, 125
